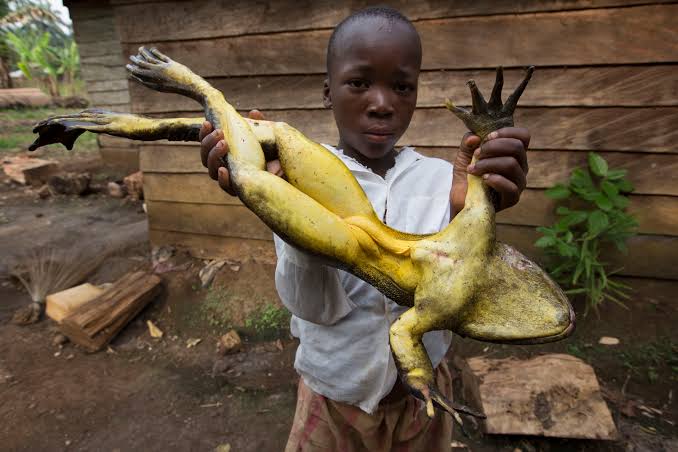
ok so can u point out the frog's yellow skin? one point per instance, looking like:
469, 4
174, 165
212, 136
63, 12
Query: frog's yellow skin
459, 279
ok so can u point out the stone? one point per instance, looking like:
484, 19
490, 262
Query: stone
229, 343
43, 192
115, 190
554, 395
29, 171
134, 183
607, 340
69, 183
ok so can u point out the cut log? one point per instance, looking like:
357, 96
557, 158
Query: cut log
61, 304
554, 395
97, 322
29, 171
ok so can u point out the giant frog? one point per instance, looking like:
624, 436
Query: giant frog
459, 279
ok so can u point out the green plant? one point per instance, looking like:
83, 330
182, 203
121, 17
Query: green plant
593, 218
269, 321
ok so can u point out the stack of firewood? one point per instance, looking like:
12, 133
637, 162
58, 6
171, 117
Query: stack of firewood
95, 323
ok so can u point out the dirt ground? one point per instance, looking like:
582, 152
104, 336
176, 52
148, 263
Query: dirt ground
160, 394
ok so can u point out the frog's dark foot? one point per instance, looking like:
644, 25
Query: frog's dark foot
65, 129
159, 72
430, 394
487, 117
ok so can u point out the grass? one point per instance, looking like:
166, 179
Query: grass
17, 131
269, 322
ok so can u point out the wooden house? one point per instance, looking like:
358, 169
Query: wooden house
605, 81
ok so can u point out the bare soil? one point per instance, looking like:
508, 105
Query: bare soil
160, 394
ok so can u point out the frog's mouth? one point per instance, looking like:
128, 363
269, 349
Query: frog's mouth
545, 339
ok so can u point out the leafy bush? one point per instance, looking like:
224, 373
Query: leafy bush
592, 219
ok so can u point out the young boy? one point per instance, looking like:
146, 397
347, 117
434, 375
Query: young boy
349, 395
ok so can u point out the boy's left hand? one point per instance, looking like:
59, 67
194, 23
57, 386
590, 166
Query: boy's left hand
501, 161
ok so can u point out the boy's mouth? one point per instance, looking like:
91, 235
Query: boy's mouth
378, 135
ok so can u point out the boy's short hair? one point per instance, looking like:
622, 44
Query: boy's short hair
383, 12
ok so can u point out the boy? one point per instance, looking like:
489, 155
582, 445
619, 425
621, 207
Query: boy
349, 395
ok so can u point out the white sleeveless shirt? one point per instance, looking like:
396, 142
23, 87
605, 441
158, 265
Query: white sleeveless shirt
341, 321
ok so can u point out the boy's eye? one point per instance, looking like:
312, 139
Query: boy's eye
403, 88
358, 84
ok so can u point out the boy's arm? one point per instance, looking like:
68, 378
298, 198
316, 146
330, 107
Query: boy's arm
501, 160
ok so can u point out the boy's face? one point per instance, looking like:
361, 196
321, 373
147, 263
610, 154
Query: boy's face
372, 86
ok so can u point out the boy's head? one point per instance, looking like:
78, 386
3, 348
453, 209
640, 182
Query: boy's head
373, 63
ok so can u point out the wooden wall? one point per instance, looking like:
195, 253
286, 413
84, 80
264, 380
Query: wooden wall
605, 81
103, 69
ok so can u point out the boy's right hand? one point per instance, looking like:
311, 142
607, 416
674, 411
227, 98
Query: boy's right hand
213, 149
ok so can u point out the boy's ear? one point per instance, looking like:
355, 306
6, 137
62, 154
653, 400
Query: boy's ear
327, 99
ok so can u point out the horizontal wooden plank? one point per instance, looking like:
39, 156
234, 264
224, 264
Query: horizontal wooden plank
98, 72
107, 85
194, 20
651, 174
222, 220
600, 129
125, 160
95, 29
116, 97
649, 256
91, 49
655, 214
591, 86
643, 34
217, 247
195, 188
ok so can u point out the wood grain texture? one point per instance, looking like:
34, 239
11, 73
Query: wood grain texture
223, 220
649, 256
592, 86
193, 20
600, 129
650, 174
643, 34
655, 214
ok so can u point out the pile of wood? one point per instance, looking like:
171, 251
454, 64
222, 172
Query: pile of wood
95, 323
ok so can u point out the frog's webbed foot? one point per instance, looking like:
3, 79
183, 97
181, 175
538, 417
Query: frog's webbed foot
486, 117
65, 129
159, 72
415, 366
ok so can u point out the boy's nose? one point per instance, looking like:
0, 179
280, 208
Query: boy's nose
380, 104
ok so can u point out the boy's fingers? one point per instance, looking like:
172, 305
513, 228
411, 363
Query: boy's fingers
204, 130
507, 167
469, 143
519, 133
274, 167
255, 114
208, 143
508, 191
215, 159
225, 181
504, 147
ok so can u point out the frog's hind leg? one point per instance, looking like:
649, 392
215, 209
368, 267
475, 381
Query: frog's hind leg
414, 364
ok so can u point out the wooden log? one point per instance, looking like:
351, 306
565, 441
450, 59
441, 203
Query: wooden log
553, 395
61, 304
627, 86
97, 322
578, 38
200, 20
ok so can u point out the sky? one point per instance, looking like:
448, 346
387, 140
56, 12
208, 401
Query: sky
58, 6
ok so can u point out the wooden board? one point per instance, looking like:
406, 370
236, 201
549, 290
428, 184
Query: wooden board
223, 220
193, 20
644, 34
123, 159
649, 256
107, 85
655, 214
552, 87
601, 129
554, 395
115, 97
650, 174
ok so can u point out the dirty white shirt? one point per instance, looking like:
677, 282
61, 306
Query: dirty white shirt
341, 321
